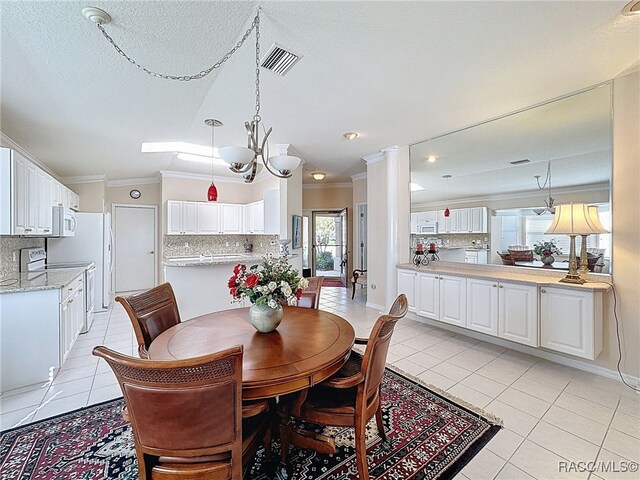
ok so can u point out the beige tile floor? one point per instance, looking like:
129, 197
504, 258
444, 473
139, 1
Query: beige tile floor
552, 414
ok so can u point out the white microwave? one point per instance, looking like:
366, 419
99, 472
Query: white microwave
64, 222
431, 227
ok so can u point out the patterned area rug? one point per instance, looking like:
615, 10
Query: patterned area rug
429, 437
332, 283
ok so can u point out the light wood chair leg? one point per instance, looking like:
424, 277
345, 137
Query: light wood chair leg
361, 450
380, 423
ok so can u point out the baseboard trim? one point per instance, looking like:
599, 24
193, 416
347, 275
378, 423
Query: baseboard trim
380, 308
553, 357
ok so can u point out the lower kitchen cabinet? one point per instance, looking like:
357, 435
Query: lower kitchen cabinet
442, 297
407, 285
38, 330
518, 313
571, 321
482, 306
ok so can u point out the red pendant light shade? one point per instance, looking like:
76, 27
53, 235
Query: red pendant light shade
212, 193
446, 212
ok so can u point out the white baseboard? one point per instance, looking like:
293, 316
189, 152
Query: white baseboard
380, 308
553, 357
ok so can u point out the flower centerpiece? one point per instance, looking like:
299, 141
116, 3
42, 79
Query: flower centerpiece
546, 251
268, 286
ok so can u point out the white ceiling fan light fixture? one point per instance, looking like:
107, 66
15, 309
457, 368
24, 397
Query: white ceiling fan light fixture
632, 8
350, 135
318, 175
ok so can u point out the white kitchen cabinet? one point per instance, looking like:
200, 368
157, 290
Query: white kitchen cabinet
442, 297
27, 194
475, 256
571, 321
208, 218
518, 313
407, 285
482, 306
45, 203
448, 224
254, 217
413, 223
182, 217
231, 218
39, 328
72, 311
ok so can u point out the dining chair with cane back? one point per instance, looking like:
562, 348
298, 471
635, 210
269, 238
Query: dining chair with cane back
186, 415
151, 312
310, 297
351, 397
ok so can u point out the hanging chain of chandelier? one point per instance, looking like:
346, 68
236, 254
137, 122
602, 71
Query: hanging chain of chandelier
242, 160
549, 200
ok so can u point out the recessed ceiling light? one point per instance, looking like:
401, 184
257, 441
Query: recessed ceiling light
318, 175
431, 158
631, 8
350, 135
414, 187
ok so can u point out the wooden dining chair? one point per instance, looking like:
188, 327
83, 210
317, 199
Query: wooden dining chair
151, 313
310, 297
351, 397
187, 417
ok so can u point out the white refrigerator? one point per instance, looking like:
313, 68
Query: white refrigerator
91, 242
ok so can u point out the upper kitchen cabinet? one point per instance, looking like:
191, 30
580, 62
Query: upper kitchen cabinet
254, 217
182, 218
27, 195
231, 216
271, 212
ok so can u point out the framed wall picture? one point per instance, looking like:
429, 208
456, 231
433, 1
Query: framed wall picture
296, 232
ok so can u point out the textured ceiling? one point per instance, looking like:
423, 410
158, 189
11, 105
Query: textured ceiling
396, 72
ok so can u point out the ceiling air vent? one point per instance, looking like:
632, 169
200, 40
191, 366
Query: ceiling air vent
279, 60
520, 162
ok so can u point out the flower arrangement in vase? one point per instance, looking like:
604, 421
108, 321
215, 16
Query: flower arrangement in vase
268, 286
546, 251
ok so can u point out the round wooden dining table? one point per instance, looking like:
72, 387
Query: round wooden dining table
308, 347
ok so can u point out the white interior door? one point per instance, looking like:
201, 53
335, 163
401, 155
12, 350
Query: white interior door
135, 247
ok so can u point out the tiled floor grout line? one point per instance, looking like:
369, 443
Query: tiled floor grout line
606, 433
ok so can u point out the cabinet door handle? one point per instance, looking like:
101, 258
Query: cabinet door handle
543, 290
500, 286
71, 300
28, 229
494, 285
71, 288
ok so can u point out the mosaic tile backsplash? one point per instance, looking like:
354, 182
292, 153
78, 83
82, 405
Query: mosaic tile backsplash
9, 245
193, 245
452, 239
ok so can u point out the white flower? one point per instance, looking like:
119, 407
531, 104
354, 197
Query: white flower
273, 286
292, 300
286, 290
272, 303
304, 283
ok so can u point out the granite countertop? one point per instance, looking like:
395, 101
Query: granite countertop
33, 281
531, 276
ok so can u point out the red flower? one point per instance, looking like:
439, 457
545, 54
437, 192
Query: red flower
299, 293
252, 280
233, 291
232, 282
238, 268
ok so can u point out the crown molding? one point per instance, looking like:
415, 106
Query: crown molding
133, 181
83, 179
391, 148
359, 176
373, 158
320, 186
7, 142
594, 187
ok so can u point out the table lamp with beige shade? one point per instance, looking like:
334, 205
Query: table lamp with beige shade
594, 219
575, 219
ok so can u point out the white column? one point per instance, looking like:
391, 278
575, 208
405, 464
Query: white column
391, 255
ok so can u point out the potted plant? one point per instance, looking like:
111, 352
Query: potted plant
546, 251
268, 286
